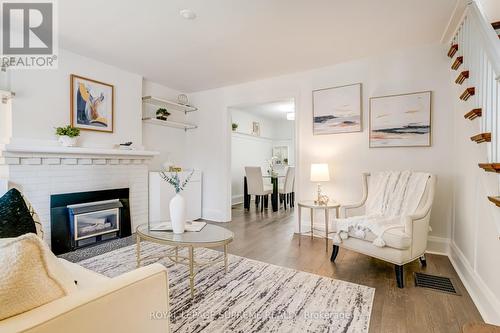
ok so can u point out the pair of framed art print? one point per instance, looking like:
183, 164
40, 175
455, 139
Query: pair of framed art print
394, 121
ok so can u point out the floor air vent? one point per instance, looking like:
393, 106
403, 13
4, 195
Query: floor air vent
439, 283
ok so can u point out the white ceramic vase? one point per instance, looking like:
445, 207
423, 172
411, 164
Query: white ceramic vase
178, 213
67, 141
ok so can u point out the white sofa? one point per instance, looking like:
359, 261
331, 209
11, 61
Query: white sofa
136, 301
402, 245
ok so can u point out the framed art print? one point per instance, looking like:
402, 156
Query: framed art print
337, 110
401, 120
92, 104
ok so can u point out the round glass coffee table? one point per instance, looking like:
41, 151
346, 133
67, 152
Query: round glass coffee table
209, 237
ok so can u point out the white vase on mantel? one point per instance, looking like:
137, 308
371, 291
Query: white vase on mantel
178, 213
67, 141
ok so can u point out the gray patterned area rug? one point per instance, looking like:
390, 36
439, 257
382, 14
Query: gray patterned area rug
252, 297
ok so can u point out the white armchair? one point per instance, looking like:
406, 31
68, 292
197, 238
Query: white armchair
404, 244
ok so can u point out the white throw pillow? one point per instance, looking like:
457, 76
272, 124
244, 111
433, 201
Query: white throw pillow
30, 275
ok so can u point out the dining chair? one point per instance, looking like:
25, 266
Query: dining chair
286, 191
257, 187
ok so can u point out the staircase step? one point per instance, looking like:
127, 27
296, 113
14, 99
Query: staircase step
468, 93
453, 50
473, 114
496, 26
457, 63
480, 138
490, 167
462, 77
495, 200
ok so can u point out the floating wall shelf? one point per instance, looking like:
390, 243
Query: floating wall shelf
169, 123
169, 105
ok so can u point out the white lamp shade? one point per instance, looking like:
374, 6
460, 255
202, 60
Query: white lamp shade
320, 172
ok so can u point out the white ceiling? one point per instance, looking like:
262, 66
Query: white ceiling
233, 41
276, 110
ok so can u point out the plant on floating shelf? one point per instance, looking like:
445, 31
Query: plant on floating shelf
234, 126
162, 114
68, 135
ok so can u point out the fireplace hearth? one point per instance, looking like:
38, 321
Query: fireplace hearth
88, 218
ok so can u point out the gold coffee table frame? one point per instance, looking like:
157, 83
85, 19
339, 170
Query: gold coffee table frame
210, 236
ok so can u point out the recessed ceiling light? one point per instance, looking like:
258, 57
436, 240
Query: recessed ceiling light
188, 14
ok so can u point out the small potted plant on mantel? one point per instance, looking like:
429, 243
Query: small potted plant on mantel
67, 135
234, 126
162, 114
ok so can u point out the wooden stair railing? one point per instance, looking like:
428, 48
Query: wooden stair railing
490, 167
495, 200
473, 114
468, 93
481, 138
457, 63
453, 50
462, 77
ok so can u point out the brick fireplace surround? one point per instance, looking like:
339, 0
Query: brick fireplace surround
39, 172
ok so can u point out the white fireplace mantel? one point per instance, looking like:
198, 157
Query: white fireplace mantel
15, 154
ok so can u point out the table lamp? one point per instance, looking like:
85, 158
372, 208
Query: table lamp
319, 173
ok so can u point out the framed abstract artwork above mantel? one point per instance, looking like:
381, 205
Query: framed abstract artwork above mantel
401, 120
92, 104
337, 110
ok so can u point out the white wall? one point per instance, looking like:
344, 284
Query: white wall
42, 101
169, 142
411, 70
491, 9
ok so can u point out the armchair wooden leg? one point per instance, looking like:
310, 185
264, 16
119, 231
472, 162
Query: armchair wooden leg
335, 252
266, 201
400, 276
257, 199
261, 203
423, 261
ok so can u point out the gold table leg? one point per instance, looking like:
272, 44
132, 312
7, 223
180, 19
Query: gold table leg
225, 258
300, 223
312, 219
138, 250
327, 217
191, 270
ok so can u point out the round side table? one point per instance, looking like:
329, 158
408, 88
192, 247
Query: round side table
312, 206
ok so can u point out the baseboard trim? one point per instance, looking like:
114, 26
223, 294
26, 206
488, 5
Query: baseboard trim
484, 299
438, 245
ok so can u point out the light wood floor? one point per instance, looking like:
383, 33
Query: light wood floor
269, 237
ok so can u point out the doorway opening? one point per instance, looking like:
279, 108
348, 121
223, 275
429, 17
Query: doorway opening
263, 152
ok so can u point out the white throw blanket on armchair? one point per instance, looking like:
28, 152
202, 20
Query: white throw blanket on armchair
392, 195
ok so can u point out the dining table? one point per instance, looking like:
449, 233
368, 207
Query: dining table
274, 194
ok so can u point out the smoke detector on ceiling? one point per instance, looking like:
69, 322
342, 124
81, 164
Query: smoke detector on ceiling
188, 14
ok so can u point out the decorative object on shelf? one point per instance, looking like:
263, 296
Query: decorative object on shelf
162, 114
401, 120
183, 99
281, 153
68, 135
271, 164
92, 104
234, 126
256, 128
337, 110
125, 146
320, 173
177, 203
